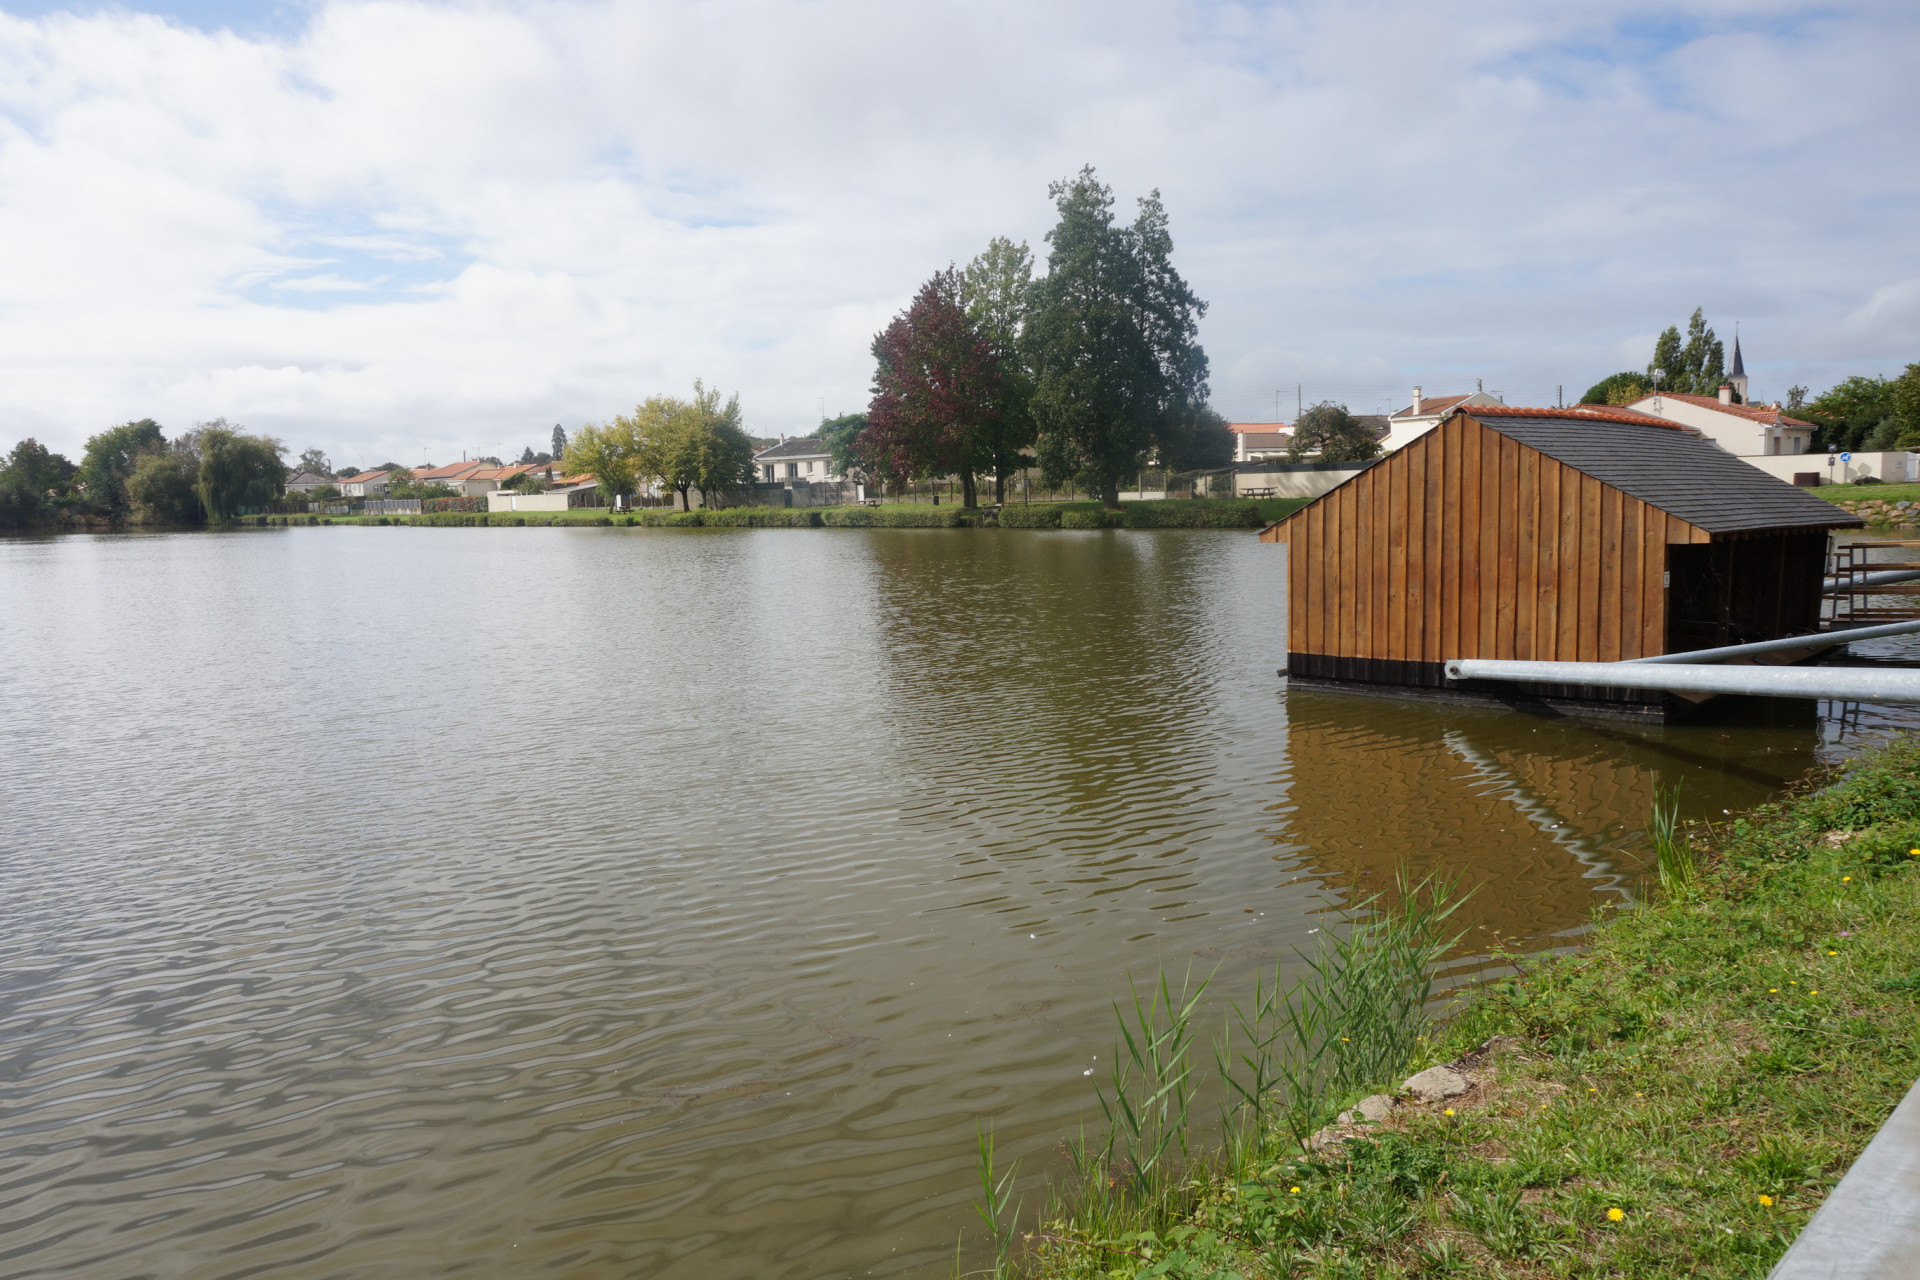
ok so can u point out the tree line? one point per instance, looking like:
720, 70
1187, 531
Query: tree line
695, 443
1089, 372
133, 472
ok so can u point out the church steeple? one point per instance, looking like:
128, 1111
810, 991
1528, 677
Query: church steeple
1738, 374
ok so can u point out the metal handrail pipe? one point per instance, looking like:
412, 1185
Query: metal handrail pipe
1819, 641
1846, 684
1875, 578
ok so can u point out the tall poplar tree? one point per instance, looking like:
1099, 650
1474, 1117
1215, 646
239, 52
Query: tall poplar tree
997, 290
1112, 340
1696, 368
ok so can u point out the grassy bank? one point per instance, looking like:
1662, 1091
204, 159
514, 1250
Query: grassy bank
1173, 514
1675, 1100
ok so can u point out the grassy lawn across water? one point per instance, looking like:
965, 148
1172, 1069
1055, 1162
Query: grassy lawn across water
1194, 513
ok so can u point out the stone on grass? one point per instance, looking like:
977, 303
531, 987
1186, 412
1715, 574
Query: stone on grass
1436, 1084
1371, 1110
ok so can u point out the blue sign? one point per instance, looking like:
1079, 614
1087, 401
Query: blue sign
1846, 457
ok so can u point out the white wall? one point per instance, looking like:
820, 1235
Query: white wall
510, 500
1732, 432
1298, 481
1894, 467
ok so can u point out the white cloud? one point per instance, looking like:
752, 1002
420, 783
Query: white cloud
412, 229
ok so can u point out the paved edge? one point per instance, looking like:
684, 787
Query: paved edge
1869, 1228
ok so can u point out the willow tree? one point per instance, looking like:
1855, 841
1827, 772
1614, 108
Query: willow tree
1112, 340
236, 469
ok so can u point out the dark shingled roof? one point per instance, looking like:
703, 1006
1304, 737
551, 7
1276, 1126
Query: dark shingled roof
798, 447
1676, 471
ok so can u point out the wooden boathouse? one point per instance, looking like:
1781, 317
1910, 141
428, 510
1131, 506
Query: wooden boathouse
1568, 535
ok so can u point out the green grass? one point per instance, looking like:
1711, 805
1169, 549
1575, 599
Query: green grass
1675, 1100
1886, 492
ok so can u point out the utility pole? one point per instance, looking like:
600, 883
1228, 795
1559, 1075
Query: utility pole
1560, 396
1297, 409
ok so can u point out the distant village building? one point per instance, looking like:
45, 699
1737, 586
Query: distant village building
306, 482
1260, 441
450, 475
1425, 413
801, 458
1730, 419
1743, 429
1273, 441
368, 484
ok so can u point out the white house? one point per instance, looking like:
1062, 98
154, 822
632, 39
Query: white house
1259, 441
1269, 441
1749, 430
368, 484
801, 458
306, 482
1424, 414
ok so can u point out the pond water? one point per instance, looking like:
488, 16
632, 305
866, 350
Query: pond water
676, 903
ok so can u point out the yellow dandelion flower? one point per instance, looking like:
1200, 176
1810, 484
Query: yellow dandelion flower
1773, 991
1449, 1111
1293, 1191
1844, 879
1614, 1215
1813, 993
1833, 953
1767, 1201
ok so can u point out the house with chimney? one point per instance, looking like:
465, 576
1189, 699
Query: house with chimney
1730, 419
1260, 441
1425, 413
801, 458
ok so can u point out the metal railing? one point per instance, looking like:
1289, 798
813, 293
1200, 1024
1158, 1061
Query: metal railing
1862, 590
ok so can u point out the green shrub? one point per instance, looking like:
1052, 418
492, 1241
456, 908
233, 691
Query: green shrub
1236, 513
1090, 518
850, 517
1045, 516
762, 518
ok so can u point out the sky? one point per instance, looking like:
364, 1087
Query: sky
413, 231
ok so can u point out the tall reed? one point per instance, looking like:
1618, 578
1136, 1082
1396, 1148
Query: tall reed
1672, 854
1286, 1061
1349, 1022
997, 1207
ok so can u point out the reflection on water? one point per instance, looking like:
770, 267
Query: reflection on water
610, 903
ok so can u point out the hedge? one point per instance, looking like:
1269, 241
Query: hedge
1025, 517
917, 518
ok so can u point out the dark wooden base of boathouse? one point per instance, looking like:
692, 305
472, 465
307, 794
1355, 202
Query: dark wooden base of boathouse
1385, 676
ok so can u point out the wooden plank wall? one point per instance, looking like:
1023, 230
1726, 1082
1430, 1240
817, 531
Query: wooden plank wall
1468, 544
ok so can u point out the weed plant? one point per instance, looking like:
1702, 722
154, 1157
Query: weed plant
1673, 855
1286, 1062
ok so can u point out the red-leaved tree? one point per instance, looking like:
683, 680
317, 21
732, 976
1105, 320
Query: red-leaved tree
936, 391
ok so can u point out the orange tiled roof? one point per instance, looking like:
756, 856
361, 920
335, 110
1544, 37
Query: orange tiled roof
1587, 412
1258, 428
453, 470
502, 473
365, 476
1771, 417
